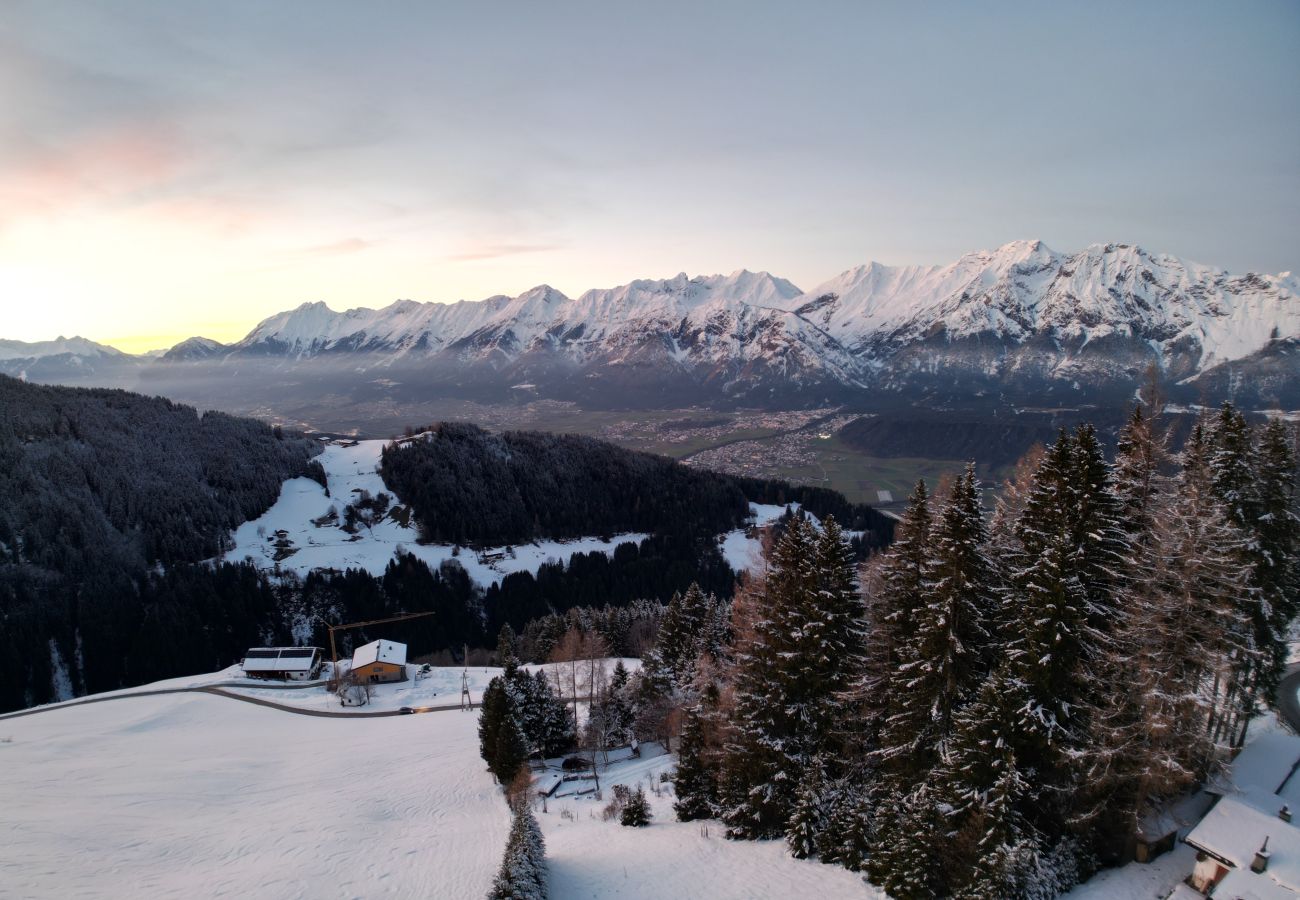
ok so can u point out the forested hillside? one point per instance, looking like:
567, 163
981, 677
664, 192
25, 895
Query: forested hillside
111, 501
97, 488
466, 485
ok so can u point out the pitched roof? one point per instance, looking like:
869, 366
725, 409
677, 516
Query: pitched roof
379, 651
279, 659
1234, 830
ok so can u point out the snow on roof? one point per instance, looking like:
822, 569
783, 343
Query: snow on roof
379, 651
279, 659
1262, 769
1241, 884
1234, 831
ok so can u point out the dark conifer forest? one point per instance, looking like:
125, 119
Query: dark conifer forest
111, 503
102, 490
1010, 692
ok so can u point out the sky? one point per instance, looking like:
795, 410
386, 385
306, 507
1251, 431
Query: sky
178, 168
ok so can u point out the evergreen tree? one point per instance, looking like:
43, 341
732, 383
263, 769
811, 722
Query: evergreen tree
791, 677
1065, 585
952, 649
637, 811
1277, 555
523, 869
493, 713
893, 610
808, 820
507, 646
906, 858
511, 751
696, 784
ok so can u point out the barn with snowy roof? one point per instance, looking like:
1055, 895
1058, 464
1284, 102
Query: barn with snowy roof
284, 663
379, 661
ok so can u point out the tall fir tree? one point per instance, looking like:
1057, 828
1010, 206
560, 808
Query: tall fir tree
696, 784
952, 649
790, 678
893, 608
1277, 557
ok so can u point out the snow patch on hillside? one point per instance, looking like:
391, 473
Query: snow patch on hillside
289, 529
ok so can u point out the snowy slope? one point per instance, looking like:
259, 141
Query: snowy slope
351, 468
201, 796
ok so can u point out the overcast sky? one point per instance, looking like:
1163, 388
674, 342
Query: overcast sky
173, 168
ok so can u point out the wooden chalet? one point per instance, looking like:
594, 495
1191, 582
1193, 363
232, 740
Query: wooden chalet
379, 661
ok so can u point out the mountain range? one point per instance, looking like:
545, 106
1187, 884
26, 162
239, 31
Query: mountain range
1022, 324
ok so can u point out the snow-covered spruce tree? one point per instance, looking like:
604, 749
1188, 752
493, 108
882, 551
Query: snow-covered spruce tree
804, 830
941, 667
637, 812
893, 608
905, 857
507, 645
846, 832
622, 711
493, 714
696, 784
950, 654
511, 750
1277, 553
1060, 608
790, 679
985, 790
549, 724
523, 869
1233, 469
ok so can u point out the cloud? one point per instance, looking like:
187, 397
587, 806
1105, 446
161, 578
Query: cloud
338, 248
497, 251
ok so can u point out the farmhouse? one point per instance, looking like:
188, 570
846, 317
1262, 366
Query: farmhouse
379, 661
1247, 844
286, 663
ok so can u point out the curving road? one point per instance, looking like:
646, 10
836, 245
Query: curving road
220, 691
1288, 698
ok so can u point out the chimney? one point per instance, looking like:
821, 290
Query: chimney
1261, 858
1284, 813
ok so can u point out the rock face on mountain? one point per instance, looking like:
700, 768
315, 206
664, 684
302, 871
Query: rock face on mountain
1022, 324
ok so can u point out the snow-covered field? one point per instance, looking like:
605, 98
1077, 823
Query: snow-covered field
590, 857
192, 795
349, 470
198, 796
201, 796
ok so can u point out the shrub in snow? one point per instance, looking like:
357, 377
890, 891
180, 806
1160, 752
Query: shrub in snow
637, 811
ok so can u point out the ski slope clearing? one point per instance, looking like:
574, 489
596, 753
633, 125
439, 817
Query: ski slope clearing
303, 530
195, 796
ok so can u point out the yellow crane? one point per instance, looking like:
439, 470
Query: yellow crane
334, 653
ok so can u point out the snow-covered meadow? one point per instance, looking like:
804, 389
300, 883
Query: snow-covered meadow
195, 795
350, 469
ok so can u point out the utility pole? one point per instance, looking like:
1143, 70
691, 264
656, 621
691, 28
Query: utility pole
465, 702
